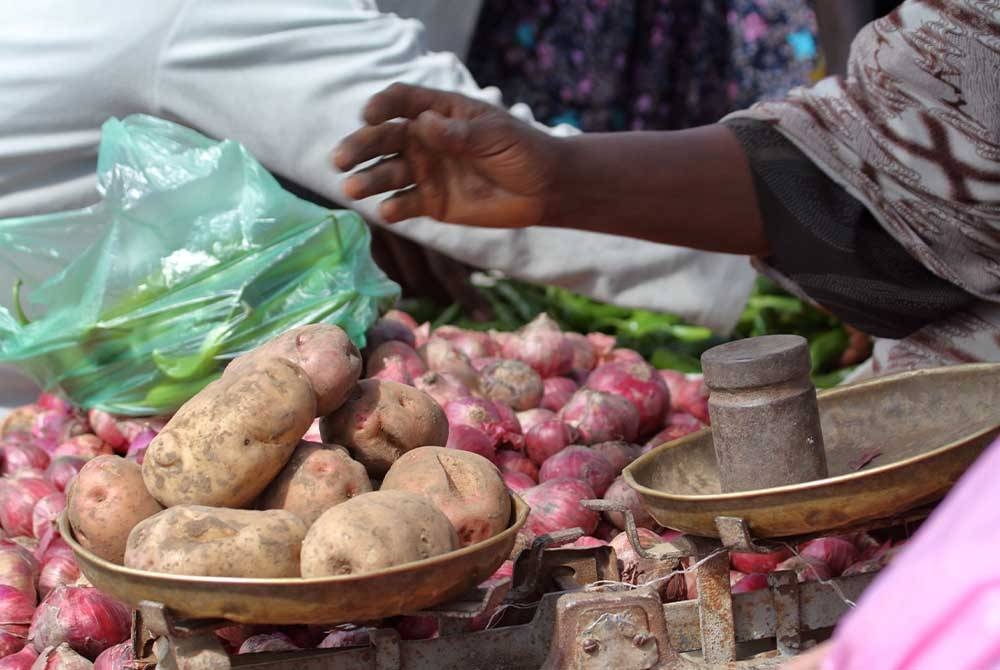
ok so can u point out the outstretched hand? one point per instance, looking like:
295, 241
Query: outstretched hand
449, 157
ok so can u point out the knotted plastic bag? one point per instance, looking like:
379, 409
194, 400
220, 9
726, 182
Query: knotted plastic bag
194, 255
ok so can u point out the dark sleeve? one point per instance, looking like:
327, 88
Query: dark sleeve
827, 243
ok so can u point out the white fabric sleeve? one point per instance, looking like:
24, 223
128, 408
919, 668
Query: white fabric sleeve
289, 80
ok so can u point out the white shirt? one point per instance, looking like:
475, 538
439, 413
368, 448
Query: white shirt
288, 79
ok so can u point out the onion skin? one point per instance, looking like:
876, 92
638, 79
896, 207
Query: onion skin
442, 386
62, 657
477, 413
57, 571
345, 636
512, 383
16, 610
467, 438
82, 617
115, 658
22, 660
18, 497
556, 393
86, 446
19, 456
532, 417
518, 482
46, 513
835, 552
620, 492
62, 470
513, 461
105, 426
555, 505
581, 463
262, 642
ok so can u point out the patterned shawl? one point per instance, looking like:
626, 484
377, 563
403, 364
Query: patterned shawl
913, 132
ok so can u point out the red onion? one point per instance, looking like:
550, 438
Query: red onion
480, 364
346, 636
132, 428
262, 642
18, 569
512, 383
46, 400
555, 505
532, 417
442, 386
557, 392
105, 426
22, 660
620, 492
517, 481
836, 552
513, 461
16, 609
511, 427
750, 562
18, 497
58, 571
53, 427
18, 456
138, 445
417, 627
688, 393
622, 355
807, 569
85, 446
548, 439
62, 470
421, 334
46, 512
603, 345
62, 657
873, 564
630, 564
584, 351
618, 453
548, 352
393, 369
579, 462
867, 546
586, 542
755, 581
440, 356
51, 544
380, 358
505, 570
678, 425
233, 636
400, 316
601, 417
473, 343
467, 438
605, 531
82, 617
388, 330
19, 422
118, 657
477, 413
637, 382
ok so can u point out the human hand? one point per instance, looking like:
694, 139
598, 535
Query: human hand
451, 158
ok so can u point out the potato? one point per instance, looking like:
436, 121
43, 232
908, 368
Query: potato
105, 500
317, 477
225, 445
199, 540
382, 420
465, 486
326, 354
376, 531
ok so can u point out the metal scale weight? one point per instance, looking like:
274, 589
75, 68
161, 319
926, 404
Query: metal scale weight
777, 466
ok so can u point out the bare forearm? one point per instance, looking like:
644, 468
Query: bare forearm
690, 188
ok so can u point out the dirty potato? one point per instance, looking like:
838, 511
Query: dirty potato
225, 445
198, 540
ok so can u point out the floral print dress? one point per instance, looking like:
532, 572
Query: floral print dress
606, 65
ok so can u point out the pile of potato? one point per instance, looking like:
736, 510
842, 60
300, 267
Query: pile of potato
229, 487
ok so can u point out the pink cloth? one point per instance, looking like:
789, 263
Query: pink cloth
937, 607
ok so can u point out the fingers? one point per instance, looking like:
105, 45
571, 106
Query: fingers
403, 205
368, 143
388, 175
408, 102
449, 136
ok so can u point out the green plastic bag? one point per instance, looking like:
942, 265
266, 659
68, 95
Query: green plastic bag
194, 255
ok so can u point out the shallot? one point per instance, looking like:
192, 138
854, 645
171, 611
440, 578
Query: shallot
46, 512
601, 417
18, 497
556, 393
16, 609
513, 383
508, 460
442, 386
22, 660
621, 493
62, 470
618, 453
547, 439
637, 382
267, 642
19, 456
555, 505
467, 438
115, 658
82, 617
62, 657
581, 463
